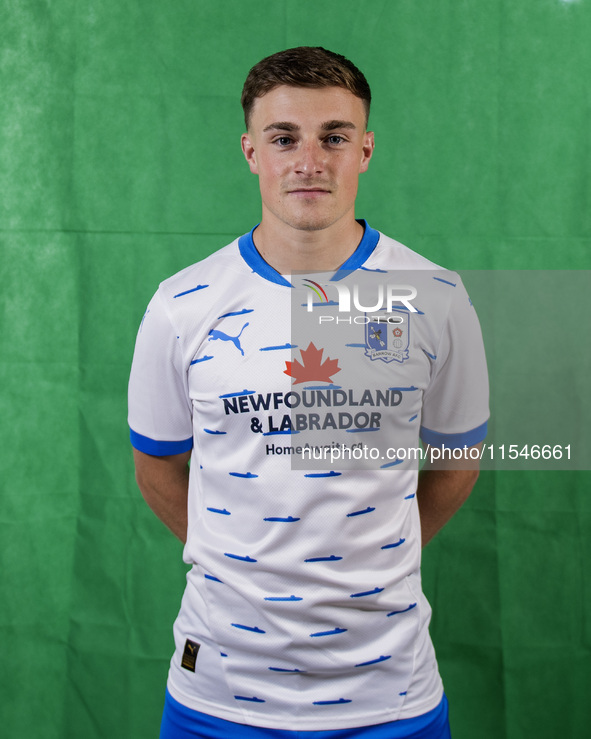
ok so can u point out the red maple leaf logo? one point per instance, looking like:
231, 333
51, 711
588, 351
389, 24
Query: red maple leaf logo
313, 368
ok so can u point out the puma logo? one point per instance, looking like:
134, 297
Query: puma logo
215, 334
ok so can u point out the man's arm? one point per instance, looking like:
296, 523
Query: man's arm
164, 483
441, 492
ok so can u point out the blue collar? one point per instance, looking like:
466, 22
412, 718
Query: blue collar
254, 260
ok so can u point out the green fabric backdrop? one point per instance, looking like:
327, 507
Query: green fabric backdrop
120, 164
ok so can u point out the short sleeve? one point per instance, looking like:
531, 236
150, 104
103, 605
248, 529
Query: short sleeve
160, 409
455, 404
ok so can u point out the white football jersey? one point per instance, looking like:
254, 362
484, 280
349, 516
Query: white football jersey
303, 607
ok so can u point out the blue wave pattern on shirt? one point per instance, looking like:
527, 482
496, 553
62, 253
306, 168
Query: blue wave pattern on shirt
391, 464
239, 557
236, 313
319, 305
377, 269
143, 319
238, 394
252, 699
329, 633
192, 290
383, 658
375, 591
277, 348
369, 509
288, 519
447, 282
395, 544
404, 610
332, 558
254, 629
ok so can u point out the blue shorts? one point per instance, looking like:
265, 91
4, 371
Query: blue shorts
180, 722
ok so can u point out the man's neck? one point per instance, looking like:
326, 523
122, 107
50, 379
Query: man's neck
289, 250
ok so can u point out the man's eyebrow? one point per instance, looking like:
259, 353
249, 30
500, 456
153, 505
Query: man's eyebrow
331, 125
326, 126
281, 126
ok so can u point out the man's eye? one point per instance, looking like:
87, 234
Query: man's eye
283, 141
335, 139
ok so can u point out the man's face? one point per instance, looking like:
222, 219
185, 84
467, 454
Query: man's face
308, 146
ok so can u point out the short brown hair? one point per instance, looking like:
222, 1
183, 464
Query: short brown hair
304, 66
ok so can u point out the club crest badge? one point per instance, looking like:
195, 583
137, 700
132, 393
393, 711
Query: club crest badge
387, 336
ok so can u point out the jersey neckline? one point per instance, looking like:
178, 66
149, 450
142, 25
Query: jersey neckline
251, 256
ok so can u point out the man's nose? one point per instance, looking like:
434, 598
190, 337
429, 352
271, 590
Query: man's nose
310, 158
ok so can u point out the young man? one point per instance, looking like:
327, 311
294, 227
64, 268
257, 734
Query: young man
303, 613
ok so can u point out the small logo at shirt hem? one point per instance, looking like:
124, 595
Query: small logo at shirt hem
190, 655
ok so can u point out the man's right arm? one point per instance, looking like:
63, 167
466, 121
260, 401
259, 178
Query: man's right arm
164, 483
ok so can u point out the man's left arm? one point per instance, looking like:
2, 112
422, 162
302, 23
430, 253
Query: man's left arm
442, 492
455, 412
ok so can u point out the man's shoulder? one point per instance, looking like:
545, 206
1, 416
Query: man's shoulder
203, 274
391, 254
438, 285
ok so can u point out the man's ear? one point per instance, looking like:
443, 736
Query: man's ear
249, 153
368, 147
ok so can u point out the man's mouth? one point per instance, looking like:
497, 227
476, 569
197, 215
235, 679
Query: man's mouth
308, 191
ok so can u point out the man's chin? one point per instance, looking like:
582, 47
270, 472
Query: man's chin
310, 223
308, 218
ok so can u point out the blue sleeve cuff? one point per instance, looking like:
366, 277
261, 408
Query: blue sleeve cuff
159, 448
454, 441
